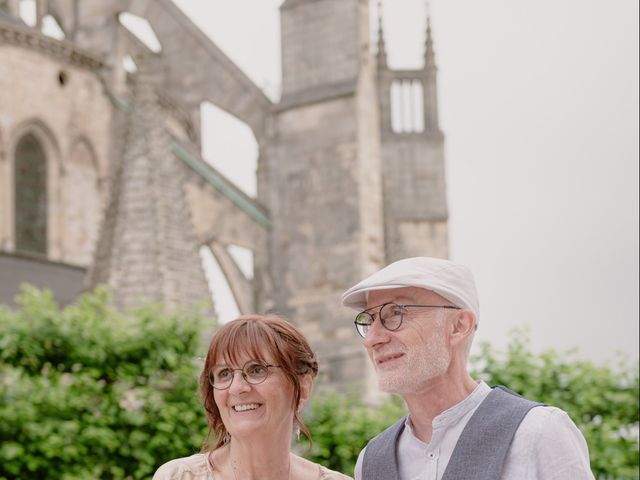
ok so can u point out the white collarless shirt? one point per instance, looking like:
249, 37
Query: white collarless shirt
546, 446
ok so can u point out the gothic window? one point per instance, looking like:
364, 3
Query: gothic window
407, 110
30, 196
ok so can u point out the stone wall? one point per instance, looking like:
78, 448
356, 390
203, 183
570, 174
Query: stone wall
324, 190
415, 196
320, 44
343, 194
65, 107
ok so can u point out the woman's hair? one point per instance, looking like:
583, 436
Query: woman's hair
256, 336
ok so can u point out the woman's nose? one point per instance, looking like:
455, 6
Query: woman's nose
239, 384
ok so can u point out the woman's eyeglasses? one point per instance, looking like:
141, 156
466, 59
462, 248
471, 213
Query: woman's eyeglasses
253, 372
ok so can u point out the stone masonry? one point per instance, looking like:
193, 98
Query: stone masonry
347, 180
147, 250
327, 213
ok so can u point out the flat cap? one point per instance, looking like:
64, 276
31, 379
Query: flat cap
448, 279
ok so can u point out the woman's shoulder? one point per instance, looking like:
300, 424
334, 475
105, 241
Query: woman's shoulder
194, 467
309, 469
326, 474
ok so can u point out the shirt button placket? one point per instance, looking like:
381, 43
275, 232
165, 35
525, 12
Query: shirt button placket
432, 466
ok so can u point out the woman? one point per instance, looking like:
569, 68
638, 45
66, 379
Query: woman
256, 378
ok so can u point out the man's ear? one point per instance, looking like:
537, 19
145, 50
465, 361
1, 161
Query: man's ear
462, 326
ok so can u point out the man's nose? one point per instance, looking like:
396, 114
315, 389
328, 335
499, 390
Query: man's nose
376, 335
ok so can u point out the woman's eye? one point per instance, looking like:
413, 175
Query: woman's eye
224, 374
256, 370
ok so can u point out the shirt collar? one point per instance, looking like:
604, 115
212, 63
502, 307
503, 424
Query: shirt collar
454, 414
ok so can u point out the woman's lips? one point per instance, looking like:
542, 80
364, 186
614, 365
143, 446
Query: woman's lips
246, 407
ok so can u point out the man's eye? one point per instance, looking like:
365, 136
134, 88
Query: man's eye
391, 312
399, 310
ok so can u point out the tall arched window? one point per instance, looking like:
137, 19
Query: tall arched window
30, 196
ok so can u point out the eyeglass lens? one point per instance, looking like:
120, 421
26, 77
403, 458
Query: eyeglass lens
253, 372
390, 315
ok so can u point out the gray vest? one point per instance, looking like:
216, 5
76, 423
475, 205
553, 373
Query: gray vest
481, 449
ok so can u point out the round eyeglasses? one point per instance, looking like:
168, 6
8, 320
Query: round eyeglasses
390, 315
253, 372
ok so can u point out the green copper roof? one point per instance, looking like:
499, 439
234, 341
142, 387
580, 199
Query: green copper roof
222, 185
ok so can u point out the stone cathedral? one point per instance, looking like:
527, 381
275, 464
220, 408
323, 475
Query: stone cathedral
102, 181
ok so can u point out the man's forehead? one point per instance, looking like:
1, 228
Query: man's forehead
401, 295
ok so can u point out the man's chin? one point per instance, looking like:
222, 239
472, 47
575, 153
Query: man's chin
401, 385
392, 385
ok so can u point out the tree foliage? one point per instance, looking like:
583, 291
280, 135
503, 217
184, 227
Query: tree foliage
87, 392
603, 401
341, 425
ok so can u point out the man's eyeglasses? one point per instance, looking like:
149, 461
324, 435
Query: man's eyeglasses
253, 372
390, 315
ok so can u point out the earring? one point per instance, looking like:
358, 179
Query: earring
227, 438
298, 432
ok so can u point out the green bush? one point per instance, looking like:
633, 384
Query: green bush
87, 392
341, 425
91, 393
601, 400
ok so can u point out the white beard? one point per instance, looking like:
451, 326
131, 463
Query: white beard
420, 364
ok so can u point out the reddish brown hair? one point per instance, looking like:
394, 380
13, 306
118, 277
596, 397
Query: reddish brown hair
257, 336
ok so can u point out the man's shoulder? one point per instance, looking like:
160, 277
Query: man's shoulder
545, 417
192, 467
549, 444
546, 421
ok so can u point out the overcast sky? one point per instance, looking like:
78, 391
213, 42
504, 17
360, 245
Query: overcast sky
539, 106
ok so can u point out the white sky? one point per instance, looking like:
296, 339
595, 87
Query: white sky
539, 105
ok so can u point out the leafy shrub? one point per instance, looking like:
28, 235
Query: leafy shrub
87, 392
602, 401
341, 425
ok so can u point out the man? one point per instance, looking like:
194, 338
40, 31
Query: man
418, 317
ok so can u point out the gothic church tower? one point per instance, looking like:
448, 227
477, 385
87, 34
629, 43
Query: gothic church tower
415, 203
325, 195
348, 189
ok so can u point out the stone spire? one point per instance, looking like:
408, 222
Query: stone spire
381, 55
147, 249
42, 9
429, 55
